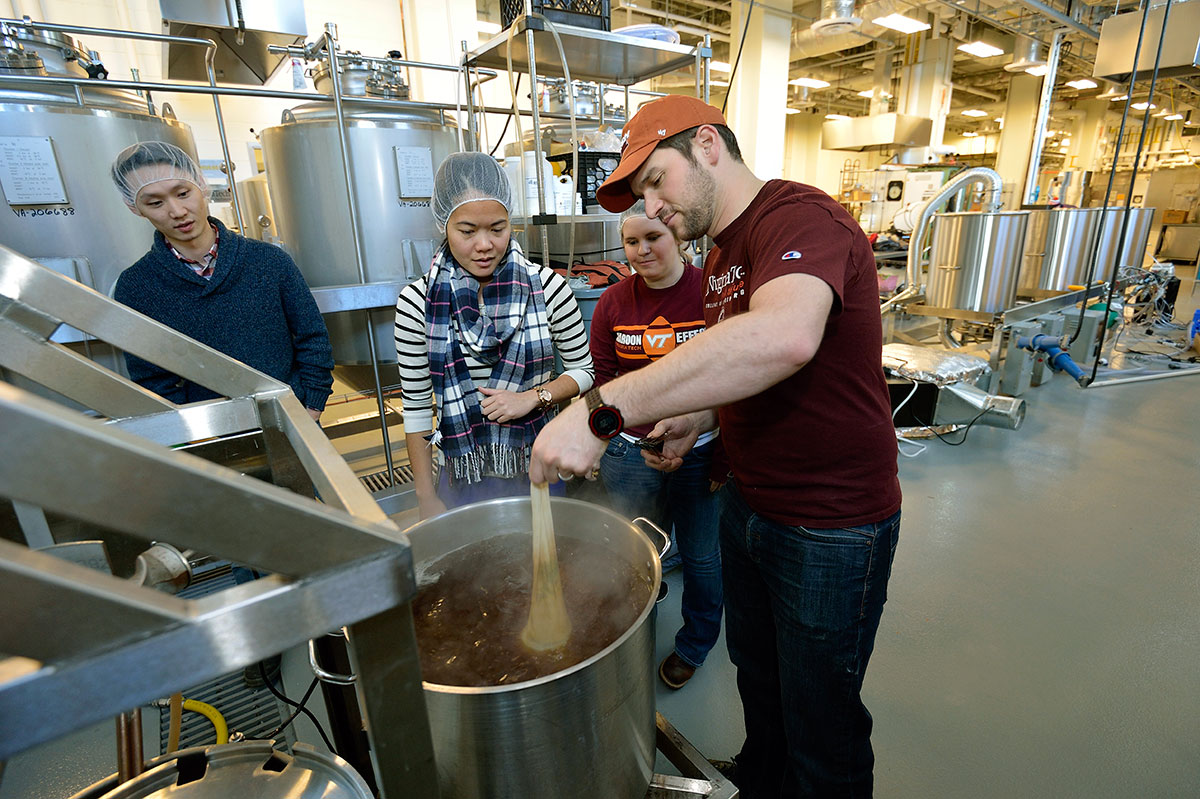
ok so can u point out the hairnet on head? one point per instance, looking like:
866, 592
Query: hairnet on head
468, 177
141, 164
637, 209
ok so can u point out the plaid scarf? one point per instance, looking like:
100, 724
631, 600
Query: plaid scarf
512, 333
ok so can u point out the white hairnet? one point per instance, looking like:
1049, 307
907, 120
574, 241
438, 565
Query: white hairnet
141, 164
637, 209
468, 177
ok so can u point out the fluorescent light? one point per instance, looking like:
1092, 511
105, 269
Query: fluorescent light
1082, 83
1143, 106
1173, 117
899, 22
974, 112
791, 110
483, 26
870, 94
812, 83
1122, 97
836, 117
719, 66
1039, 71
980, 49
970, 134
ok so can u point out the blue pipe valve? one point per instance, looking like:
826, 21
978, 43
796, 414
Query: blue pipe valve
1060, 360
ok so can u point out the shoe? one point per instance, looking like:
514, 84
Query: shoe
662, 592
675, 671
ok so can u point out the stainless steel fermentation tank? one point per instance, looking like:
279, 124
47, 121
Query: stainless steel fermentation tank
56, 147
974, 260
394, 154
1060, 242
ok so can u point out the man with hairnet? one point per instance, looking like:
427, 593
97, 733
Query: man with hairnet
242, 297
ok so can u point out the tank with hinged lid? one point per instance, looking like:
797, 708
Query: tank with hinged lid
56, 145
394, 152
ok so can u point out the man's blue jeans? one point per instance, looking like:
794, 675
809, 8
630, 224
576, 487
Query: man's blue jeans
680, 498
802, 609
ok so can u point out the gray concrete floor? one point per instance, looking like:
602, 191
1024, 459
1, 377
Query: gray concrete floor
1042, 633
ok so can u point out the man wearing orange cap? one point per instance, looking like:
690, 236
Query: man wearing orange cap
791, 364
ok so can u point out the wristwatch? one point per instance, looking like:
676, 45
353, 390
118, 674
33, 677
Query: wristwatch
545, 398
605, 421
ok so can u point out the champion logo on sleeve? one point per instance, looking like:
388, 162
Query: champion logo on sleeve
791, 255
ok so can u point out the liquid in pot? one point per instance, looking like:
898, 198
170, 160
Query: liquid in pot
469, 618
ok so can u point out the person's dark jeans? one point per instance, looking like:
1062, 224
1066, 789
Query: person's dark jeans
681, 499
802, 607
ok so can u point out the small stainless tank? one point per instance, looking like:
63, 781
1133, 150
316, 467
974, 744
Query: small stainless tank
394, 154
257, 215
974, 260
1060, 244
58, 146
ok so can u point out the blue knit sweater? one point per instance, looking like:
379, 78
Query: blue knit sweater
256, 308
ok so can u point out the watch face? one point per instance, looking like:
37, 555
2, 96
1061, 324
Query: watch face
605, 422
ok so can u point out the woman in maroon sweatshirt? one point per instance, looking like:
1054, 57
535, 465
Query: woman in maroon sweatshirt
637, 321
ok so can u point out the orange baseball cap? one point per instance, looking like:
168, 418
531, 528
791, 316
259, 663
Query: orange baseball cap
655, 121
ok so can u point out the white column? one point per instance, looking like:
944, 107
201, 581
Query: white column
803, 147
758, 95
435, 32
1016, 140
925, 89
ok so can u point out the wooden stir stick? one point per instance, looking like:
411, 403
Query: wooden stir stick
548, 626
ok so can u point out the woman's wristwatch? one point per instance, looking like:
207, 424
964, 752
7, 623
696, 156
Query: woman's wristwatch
545, 398
604, 421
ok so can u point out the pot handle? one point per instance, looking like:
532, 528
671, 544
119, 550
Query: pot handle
328, 676
666, 538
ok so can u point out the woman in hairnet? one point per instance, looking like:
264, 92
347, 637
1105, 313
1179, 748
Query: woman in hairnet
475, 341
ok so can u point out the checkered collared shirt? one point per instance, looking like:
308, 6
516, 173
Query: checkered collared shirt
203, 267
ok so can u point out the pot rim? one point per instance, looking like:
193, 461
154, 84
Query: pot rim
585, 663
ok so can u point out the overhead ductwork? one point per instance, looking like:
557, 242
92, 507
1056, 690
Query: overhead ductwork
1180, 44
1027, 54
879, 130
821, 40
242, 29
837, 16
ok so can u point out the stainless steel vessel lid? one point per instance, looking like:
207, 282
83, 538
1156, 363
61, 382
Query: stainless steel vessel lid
248, 770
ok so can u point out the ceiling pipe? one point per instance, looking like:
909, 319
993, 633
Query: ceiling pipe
1061, 18
808, 43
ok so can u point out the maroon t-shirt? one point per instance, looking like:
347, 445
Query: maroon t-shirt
634, 325
817, 449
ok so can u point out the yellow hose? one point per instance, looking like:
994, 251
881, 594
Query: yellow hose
213, 715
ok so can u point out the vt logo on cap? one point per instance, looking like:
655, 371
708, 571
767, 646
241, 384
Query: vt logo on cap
655, 121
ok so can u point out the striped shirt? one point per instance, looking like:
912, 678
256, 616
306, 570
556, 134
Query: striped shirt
412, 346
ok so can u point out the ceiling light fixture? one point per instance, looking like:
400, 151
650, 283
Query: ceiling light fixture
980, 49
1120, 98
836, 117
1173, 117
899, 22
1143, 106
1082, 83
1038, 71
812, 83
974, 112
970, 134
791, 110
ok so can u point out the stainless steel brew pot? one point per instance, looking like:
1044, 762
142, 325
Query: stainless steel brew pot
587, 731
